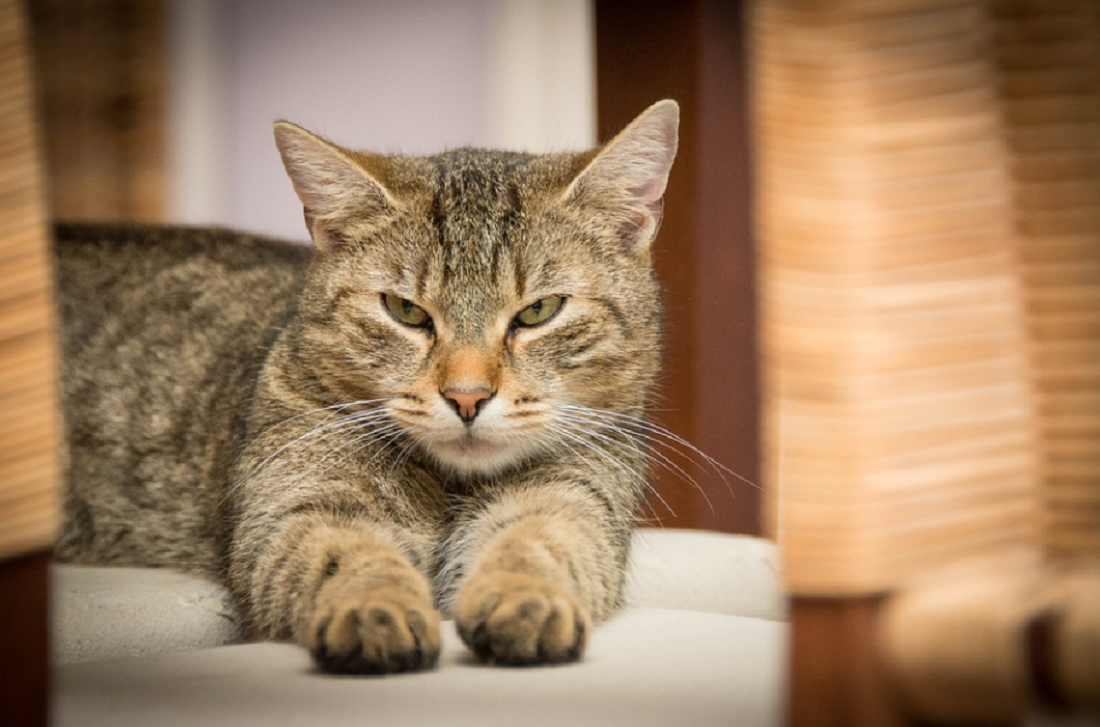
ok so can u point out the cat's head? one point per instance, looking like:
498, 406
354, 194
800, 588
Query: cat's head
488, 299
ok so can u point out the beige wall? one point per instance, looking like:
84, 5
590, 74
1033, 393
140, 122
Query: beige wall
414, 77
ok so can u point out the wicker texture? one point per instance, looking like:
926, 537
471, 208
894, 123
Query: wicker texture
101, 68
1048, 57
900, 416
29, 471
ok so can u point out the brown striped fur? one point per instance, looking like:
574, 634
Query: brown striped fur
252, 410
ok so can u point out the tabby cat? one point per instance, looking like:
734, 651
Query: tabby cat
438, 407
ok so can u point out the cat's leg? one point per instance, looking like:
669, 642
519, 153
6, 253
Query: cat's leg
352, 591
535, 568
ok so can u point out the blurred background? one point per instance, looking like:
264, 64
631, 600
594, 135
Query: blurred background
161, 110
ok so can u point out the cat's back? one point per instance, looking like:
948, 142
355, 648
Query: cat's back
160, 283
105, 262
162, 330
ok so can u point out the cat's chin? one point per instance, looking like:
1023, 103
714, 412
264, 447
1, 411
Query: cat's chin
472, 456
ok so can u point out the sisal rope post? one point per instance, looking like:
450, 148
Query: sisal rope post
900, 417
929, 218
29, 415
1048, 58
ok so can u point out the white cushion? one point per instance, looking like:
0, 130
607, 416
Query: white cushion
102, 613
701, 643
704, 571
646, 666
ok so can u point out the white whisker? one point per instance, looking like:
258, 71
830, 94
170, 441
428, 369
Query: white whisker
631, 474
361, 441
323, 431
649, 452
331, 409
659, 436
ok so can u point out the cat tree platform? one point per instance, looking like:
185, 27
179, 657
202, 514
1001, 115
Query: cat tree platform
702, 642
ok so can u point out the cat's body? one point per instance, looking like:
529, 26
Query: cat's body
440, 406
164, 332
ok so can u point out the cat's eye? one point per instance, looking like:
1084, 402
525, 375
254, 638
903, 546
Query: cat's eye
405, 311
540, 311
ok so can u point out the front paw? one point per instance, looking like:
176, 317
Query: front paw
517, 619
378, 631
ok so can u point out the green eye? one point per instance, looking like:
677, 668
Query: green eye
540, 311
406, 311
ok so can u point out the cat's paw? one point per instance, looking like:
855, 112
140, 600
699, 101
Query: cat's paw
519, 620
379, 631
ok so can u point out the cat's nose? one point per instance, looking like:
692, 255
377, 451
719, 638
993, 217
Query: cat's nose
467, 402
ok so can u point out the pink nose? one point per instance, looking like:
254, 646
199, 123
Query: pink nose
467, 403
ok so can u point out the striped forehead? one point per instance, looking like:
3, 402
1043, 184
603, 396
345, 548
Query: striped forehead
477, 214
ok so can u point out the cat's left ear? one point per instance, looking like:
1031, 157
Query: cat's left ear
625, 182
336, 186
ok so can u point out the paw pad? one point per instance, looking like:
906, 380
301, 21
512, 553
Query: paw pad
374, 632
521, 620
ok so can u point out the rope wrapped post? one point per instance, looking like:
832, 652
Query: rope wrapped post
29, 417
900, 411
1025, 637
1048, 58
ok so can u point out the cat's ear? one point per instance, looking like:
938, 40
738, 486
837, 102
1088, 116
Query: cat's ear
334, 186
625, 181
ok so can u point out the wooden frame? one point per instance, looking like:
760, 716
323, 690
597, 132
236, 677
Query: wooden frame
24, 640
694, 52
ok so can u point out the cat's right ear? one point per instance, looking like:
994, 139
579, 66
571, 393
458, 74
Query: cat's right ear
623, 185
335, 188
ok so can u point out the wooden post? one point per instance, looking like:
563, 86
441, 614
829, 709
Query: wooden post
837, 672
24, 641
693, 52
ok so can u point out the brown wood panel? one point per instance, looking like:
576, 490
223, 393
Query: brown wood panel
24, 641
693, 52
837, 675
